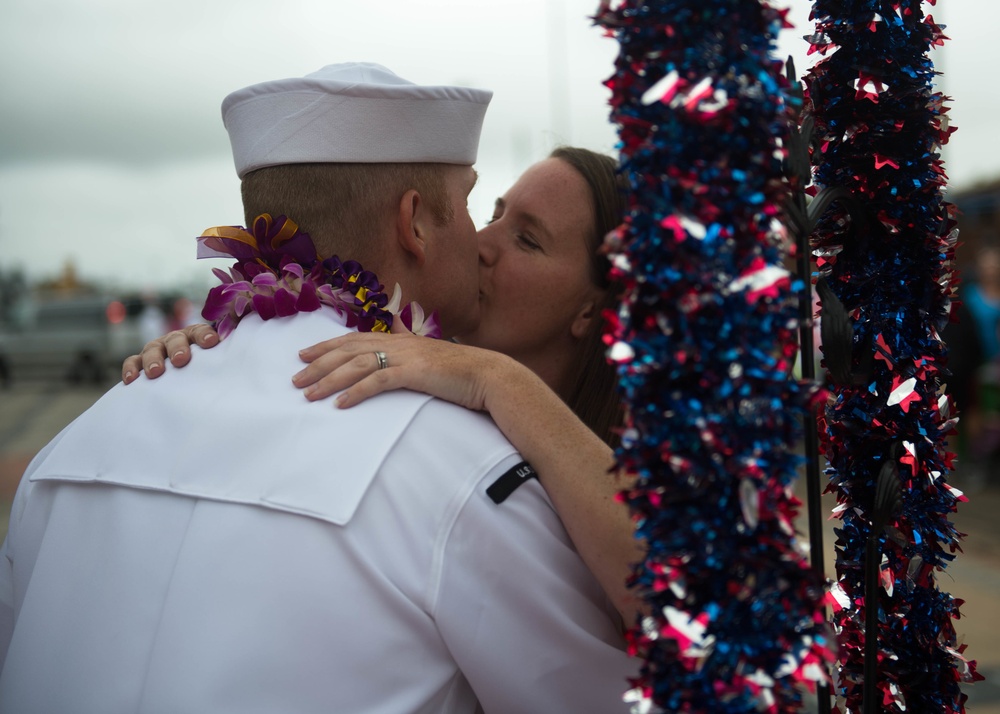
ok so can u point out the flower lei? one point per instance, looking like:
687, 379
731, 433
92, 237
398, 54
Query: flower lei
278, 273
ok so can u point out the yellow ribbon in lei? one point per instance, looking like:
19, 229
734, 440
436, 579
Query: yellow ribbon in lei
216, 234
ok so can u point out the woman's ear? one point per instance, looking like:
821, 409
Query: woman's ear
584, 319
410, 233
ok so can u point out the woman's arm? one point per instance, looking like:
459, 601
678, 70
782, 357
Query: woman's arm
578, 472
574, 465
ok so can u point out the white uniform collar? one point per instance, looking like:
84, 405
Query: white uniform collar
232, 427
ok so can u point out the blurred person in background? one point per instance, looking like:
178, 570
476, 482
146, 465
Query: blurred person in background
973, 340
182, 314
152, 320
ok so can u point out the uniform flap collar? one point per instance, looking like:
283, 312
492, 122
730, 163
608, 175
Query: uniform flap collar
231, 427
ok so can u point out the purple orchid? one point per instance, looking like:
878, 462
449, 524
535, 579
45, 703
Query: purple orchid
278, 274
419, 323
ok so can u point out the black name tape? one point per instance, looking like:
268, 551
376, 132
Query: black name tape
509, 482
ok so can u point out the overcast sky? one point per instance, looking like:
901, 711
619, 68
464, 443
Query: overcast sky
112, 149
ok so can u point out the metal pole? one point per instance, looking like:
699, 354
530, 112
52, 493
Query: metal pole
814, 508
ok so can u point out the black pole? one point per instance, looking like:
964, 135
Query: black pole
806, 357
873, 558
888, 496
814, 507
801, 223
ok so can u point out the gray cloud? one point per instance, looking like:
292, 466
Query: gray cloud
129, 133
141, 82
130, 91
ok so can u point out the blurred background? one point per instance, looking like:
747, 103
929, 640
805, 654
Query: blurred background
113, 158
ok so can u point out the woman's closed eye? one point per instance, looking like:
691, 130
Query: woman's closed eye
527, 242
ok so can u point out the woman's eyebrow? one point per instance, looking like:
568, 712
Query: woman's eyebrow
529, 218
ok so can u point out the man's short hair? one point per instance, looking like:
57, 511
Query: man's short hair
344, 206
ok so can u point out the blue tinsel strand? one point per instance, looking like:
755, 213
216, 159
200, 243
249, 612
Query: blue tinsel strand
705, 340
879, 125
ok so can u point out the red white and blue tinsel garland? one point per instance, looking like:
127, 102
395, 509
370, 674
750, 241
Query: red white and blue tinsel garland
879, 126
705, 342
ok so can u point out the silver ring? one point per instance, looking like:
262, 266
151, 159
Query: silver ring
383, 361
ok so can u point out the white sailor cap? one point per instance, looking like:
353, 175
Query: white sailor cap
353, 112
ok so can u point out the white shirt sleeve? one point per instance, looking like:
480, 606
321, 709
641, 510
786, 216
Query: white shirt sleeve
523, 617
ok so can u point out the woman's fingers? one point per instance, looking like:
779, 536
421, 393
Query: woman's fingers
154, 356
131, 368
336, 370
178, 343
375, 383
177, 347
349, 365
202, 335
318, 368
356, 341
324, 357
353, 364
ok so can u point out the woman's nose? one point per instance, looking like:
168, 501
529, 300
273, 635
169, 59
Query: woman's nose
487, 244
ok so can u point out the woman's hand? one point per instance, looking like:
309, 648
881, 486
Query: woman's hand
176, 344
456, 373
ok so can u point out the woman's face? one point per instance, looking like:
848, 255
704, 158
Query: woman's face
535, 293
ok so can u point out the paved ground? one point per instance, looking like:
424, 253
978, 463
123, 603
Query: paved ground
32, 413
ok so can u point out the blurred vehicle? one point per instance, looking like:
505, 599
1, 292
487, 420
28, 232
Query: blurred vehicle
83, 338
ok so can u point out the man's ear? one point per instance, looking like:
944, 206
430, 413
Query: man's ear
410, 225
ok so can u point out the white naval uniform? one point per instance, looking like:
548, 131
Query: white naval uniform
212, 542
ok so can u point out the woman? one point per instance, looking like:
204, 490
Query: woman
535, 363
